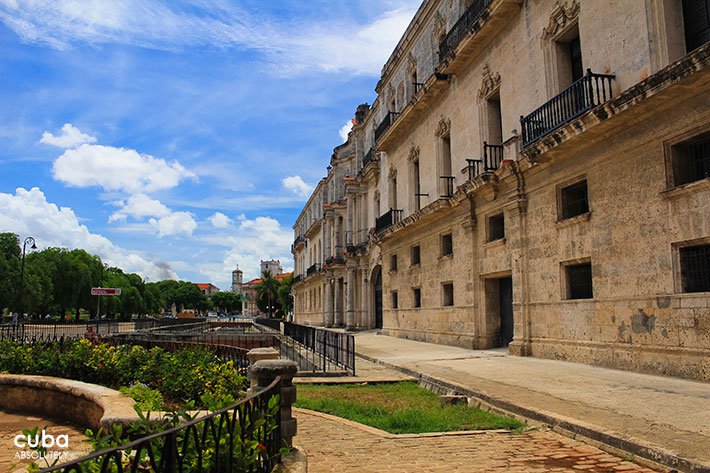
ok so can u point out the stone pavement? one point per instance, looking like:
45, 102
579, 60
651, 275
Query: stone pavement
337, 445
365, 372
660, 418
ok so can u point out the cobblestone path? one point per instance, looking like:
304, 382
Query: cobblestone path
335, 445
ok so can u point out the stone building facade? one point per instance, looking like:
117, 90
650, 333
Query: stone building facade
532, 174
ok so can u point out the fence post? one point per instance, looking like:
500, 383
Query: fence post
263, 373
258, 354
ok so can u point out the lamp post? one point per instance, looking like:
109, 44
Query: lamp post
33, 246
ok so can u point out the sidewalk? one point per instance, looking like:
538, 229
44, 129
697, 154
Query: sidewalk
663, 419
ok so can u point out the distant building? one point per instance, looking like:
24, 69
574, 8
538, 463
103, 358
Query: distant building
237, 277
207, 288
249, 294
273, 266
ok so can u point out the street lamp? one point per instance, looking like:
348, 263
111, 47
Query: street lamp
30, 240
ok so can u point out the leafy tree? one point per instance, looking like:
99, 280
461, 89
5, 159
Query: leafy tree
227, 302
9, 268
267, 293
285, 296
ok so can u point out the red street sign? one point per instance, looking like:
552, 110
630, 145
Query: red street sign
105, 291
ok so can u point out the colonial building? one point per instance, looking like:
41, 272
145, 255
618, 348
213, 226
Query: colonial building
532, 174
207, 288
248, 289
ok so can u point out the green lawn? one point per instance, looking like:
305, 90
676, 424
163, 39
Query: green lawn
399, 408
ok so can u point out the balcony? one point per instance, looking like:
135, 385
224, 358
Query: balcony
369, 157
334, 260
447, 186
385, 123
467, 23
313, 269
391, 217
577, 99
297, 278
492, 157
300, 239
473, 168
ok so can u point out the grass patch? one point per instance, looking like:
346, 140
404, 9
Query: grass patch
398, 408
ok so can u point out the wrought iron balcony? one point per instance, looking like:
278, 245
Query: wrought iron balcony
297, 278
385, 123
465, 24
578, 98
473, 168
369, 156
313, 269
447, 186
299, 239
332, 260
492, 156
390, 217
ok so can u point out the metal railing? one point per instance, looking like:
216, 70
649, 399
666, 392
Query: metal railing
492, 156
320, 349
223, 441
297, 278
313, 269
273, 324
385, 124
473, 168
388, 219
369, 156
465, 24
330, 260
447, 186
578, 98
417, 86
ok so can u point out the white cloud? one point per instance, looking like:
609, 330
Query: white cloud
117, 169
70, 137
296, 185
343, 132
219, 220
27, 212
138, 206
174, 224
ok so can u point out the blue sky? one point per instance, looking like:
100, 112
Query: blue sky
179, 138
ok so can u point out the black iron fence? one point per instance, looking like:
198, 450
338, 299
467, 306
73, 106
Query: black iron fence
389, 218
313, 269
244, 437
467, 23
320, 349
369, 156
473, 168
385, 124
581, 96
273, 324
492, 156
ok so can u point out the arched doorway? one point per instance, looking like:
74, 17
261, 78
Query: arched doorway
377, 291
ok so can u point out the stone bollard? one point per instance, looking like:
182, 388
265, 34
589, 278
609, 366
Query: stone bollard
258, 354
262, 373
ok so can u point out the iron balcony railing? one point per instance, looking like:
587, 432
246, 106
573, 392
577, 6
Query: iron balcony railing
324, 349
417, 86
492, 156
385, 124
473, 168
313, 269
297, 278
331, 260
578, 98
390, 217
447, 186
465, 24
369, 156
299, 239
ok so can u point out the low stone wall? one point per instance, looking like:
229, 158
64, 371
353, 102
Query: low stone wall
80, 403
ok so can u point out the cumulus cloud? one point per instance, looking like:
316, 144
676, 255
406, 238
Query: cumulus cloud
296, 185
138, 206
27, 212
219, 220
176, 223
343, 132
117, 169
70, 137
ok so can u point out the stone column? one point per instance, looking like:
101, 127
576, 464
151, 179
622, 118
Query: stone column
338, 303
349, 223
258, 354
350, 301
328, 314
336, 236
327, 249
263, 373
365, 319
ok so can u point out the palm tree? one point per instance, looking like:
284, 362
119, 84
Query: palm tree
268, 289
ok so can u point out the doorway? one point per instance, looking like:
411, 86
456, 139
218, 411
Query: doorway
378, 297
505, 304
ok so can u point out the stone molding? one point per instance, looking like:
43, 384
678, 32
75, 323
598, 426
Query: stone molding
560, 18
489, 84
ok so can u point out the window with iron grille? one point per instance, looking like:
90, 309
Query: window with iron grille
416, 256
574, 200
579, 281
691, 160
417, 297
496, 227
393, 263
395, 300
695, 268
447, 294
447, 245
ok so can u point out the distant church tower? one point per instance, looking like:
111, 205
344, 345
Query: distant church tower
237, 276
273, 266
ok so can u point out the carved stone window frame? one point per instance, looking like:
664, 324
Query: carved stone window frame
563, 20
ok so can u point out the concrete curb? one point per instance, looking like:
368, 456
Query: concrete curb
610, 441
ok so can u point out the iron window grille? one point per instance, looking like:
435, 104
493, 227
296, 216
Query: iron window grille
447, 294
416, 255
574, 200
691, 160
496, 227
417, 295
695, 268
447, 245
579, 281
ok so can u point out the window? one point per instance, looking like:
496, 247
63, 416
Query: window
416, 256
416, 185
494, 120
696, 22
579, 281
695, 268
393, 263
690, 160
417, 297
496, 227
574, 200
447, 245
395, 300
447, 294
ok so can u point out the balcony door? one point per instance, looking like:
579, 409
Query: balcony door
696, 21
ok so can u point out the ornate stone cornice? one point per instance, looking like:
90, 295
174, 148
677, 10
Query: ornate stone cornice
444, 127
562, 16
490, 82
414, 153
392, 172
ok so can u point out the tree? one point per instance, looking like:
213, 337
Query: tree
227, 302
285, 296
267, 293
9, 268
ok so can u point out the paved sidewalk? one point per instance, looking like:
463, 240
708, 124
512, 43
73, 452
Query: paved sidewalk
338, 445
664, 419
